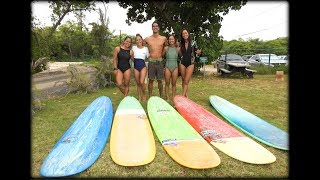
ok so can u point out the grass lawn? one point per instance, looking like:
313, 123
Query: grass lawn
262, 96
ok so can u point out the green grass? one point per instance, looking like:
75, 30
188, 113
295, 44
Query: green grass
270, 70
262, 96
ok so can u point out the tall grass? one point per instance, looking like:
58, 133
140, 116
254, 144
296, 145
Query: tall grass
270, 70
262, 95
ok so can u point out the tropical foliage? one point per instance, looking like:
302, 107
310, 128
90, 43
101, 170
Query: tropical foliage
74, 41
201, 18
255, 46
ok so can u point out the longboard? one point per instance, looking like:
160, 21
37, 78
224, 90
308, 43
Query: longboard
182, 143
222, 135
131, 140
251, 124
80, 146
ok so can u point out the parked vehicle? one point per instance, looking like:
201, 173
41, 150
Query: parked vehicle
266, 59
227, 58
228, 64
246, 57
282, 56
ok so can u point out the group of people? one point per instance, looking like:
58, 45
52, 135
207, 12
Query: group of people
158, 47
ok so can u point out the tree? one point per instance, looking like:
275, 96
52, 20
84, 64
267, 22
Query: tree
202, 19
256, 46
62, 8
101, 35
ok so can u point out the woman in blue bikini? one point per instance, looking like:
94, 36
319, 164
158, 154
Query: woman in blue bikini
141, 53
171, 69
188, 52
121, 65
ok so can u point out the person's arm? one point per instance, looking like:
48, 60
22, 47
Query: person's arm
115, 58
147, 52
179, 51
165, 49
134, 48
145, 42
131, 55
165, 44
197, 50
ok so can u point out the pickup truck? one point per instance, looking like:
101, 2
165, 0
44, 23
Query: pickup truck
228, 64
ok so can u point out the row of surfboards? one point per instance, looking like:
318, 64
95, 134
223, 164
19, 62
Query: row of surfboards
185, 133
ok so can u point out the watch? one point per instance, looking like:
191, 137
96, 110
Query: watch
115, 68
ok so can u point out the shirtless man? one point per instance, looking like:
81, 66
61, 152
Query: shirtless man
155, 43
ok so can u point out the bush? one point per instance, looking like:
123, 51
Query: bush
105, 75
80, 82
36, 104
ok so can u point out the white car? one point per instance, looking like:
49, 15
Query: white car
282, 56
267, 59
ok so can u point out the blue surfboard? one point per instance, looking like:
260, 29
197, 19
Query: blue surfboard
251, 124
80, 146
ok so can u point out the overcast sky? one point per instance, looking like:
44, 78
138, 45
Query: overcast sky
265, 20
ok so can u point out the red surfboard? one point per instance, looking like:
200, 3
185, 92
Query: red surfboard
221, 134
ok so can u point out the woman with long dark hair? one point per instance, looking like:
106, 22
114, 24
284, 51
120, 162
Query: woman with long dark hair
188, 51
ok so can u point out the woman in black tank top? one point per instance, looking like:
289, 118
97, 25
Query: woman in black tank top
121, 65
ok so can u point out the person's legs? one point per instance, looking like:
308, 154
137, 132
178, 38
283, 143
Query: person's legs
152, 76
119, 78
160, 76
174, 76
160, 87
150, 87
127, 75
146, 78
187, 78
167, 77
143, 73
183, 74
137, 77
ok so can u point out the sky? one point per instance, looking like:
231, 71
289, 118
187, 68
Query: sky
266, 20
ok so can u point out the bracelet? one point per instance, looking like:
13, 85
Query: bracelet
115, 68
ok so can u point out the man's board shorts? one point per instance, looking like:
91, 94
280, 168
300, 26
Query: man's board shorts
155, 69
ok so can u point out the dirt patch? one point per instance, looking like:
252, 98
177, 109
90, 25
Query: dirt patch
47, 73
56, 66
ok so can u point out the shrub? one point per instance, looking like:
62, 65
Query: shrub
36, 104
79, 82
105, 75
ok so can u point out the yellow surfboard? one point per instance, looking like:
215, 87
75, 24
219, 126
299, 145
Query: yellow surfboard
131, 140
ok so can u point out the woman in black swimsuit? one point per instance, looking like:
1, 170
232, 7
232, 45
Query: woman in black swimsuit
187, 51
121, 65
